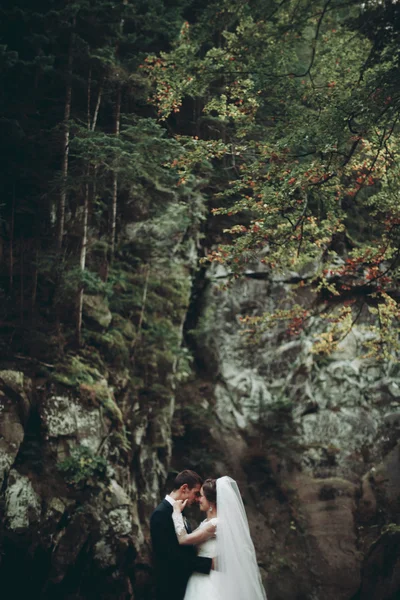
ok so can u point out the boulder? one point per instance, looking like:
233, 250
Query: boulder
65, 418
14, 411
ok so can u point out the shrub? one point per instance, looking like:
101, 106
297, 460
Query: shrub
83, 468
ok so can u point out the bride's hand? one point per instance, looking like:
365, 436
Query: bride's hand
179, 505
211, 529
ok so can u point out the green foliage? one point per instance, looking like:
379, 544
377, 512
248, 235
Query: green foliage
305, 128
83, 468
75, 278
391, 528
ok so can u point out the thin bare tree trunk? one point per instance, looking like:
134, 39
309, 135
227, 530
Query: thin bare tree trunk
11, 265
64, 166
82, 258
94, 123
85, 219
89, 98
97, 108
115, 176
21, 305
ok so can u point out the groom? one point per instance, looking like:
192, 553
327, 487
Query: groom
174, 563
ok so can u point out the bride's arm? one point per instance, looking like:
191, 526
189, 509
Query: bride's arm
198, 536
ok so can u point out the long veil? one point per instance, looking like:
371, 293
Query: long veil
238, 574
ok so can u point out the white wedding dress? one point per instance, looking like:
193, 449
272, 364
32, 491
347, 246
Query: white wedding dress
200, 586
237, 576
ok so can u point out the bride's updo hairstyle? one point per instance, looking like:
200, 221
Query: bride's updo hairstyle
210, 490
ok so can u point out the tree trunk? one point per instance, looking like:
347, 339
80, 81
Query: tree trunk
115, 177
66, 127
21, 258
82, 258
94, 123
85, 219
89, 98
97, 108
11, 251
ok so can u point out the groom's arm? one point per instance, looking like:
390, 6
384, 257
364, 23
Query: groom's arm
202, 564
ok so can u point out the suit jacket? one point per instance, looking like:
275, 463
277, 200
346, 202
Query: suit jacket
173, 563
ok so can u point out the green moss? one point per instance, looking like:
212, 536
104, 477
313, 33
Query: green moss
74, 371
113, 346
120, 439
99, 394
92, 355
125, 327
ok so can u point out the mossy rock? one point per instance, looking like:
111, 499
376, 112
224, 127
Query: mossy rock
112, 344
125, 327
93, 390
99, 394
96, 310
13, 379
74, 371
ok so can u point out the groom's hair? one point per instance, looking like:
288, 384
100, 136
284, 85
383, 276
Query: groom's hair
190, 477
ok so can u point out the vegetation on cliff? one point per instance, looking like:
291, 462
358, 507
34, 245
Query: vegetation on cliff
298, 103
119, 119
96, 236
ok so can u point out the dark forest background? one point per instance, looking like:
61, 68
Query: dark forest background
288, 126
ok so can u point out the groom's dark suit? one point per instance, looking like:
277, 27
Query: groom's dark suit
173, 563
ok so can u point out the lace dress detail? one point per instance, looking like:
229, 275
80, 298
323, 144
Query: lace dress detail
200, 586
179, 525
207, 548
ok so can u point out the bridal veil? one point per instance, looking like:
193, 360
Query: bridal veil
238, 574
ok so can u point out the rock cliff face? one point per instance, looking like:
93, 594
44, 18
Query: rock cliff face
312, 442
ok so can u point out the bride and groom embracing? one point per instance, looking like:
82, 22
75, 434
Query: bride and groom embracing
217, 561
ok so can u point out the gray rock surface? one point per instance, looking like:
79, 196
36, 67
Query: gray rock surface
14, 410
311, 439
22, 503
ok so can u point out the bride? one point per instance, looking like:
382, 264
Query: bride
236, 575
